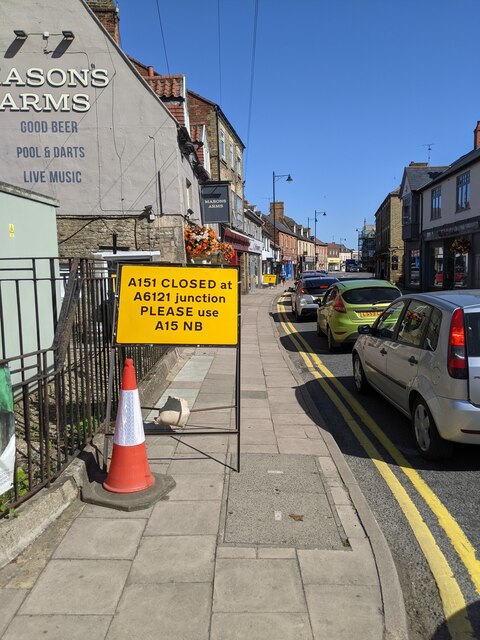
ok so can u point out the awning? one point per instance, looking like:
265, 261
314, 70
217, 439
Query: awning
239, 242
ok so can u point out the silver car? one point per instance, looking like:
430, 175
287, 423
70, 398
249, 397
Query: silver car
423, 355
307, 294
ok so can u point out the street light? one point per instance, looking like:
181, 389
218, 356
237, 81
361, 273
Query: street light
275, 178
358, 248
324, 213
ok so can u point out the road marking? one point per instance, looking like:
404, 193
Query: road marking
274, 471
450, 593
278, 515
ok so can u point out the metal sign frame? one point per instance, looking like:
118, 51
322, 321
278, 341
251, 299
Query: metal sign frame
190, 430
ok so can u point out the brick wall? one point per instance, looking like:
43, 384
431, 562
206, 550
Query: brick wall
107, 14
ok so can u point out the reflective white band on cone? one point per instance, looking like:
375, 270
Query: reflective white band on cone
129, 424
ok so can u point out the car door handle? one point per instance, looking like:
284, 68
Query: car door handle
383, 351
413, 360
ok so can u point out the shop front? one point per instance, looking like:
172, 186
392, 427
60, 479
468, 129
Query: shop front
254, 264
452, 256
240, 244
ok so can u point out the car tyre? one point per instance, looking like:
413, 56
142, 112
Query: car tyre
319, 331
429, 442
359, 378
332, 345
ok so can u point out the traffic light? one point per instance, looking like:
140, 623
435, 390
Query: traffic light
394, 263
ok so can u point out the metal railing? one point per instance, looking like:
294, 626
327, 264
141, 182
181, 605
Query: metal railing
64, 314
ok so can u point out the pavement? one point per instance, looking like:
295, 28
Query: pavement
287, 549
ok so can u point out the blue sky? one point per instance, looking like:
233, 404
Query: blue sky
345, 92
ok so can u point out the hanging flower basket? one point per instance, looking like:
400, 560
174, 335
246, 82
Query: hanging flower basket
200, 242
460, 245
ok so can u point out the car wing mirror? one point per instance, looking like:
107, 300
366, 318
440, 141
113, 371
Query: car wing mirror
364, 329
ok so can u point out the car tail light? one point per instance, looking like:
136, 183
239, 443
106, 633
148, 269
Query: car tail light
339, 306
457, 356
302, 290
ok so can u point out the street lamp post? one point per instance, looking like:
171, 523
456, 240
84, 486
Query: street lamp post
358, 248
324, 213
274, 179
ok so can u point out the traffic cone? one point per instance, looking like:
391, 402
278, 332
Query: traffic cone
129, 471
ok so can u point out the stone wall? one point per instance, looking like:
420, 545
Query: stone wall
82, 236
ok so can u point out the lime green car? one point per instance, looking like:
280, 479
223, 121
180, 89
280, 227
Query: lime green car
350, 303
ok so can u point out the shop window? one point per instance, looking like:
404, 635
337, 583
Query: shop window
436, 254
414, 264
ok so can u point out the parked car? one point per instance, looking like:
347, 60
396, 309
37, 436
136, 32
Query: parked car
308, 274
349, 303
308, 292
423, 355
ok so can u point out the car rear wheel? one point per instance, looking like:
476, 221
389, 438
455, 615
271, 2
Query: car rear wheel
298, 316
429, 442
359, 377
332, 345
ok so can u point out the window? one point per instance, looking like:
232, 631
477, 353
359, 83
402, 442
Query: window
463, 191
222, 145
414, 323
239, 164
436, 203
433, 330
385, 325
231, 155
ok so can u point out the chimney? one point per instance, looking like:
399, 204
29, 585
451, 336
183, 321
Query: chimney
151, 72
418, 164
107, 13
279, 210
476, 136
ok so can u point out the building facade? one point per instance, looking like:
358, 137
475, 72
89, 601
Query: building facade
93, 136
389, 243
451, 224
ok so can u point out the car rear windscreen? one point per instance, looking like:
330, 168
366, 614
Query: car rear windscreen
370, 295
314, 285
472, 328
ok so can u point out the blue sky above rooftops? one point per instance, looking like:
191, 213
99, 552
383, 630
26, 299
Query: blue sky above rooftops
345, 93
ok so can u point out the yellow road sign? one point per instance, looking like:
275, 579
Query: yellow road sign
269, 278
178, 305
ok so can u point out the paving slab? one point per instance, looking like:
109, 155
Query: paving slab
261, 585
163, 559
184, 518
345, 612
91, 587
55, 627
108, 538
163, 611
10, 601
200, 486
264, 626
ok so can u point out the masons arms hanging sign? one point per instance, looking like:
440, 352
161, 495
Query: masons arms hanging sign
215, 200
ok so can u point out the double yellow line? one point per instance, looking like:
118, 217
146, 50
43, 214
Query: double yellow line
450, 593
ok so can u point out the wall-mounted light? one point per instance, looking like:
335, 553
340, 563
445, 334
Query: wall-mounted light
68, 35
20, 34
148, 213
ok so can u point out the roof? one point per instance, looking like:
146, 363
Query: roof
418, 177
167, 86
462, 163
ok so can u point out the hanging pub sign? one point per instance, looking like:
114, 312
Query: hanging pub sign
215, 201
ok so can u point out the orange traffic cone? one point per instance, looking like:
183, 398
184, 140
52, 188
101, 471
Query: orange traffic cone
129, 470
